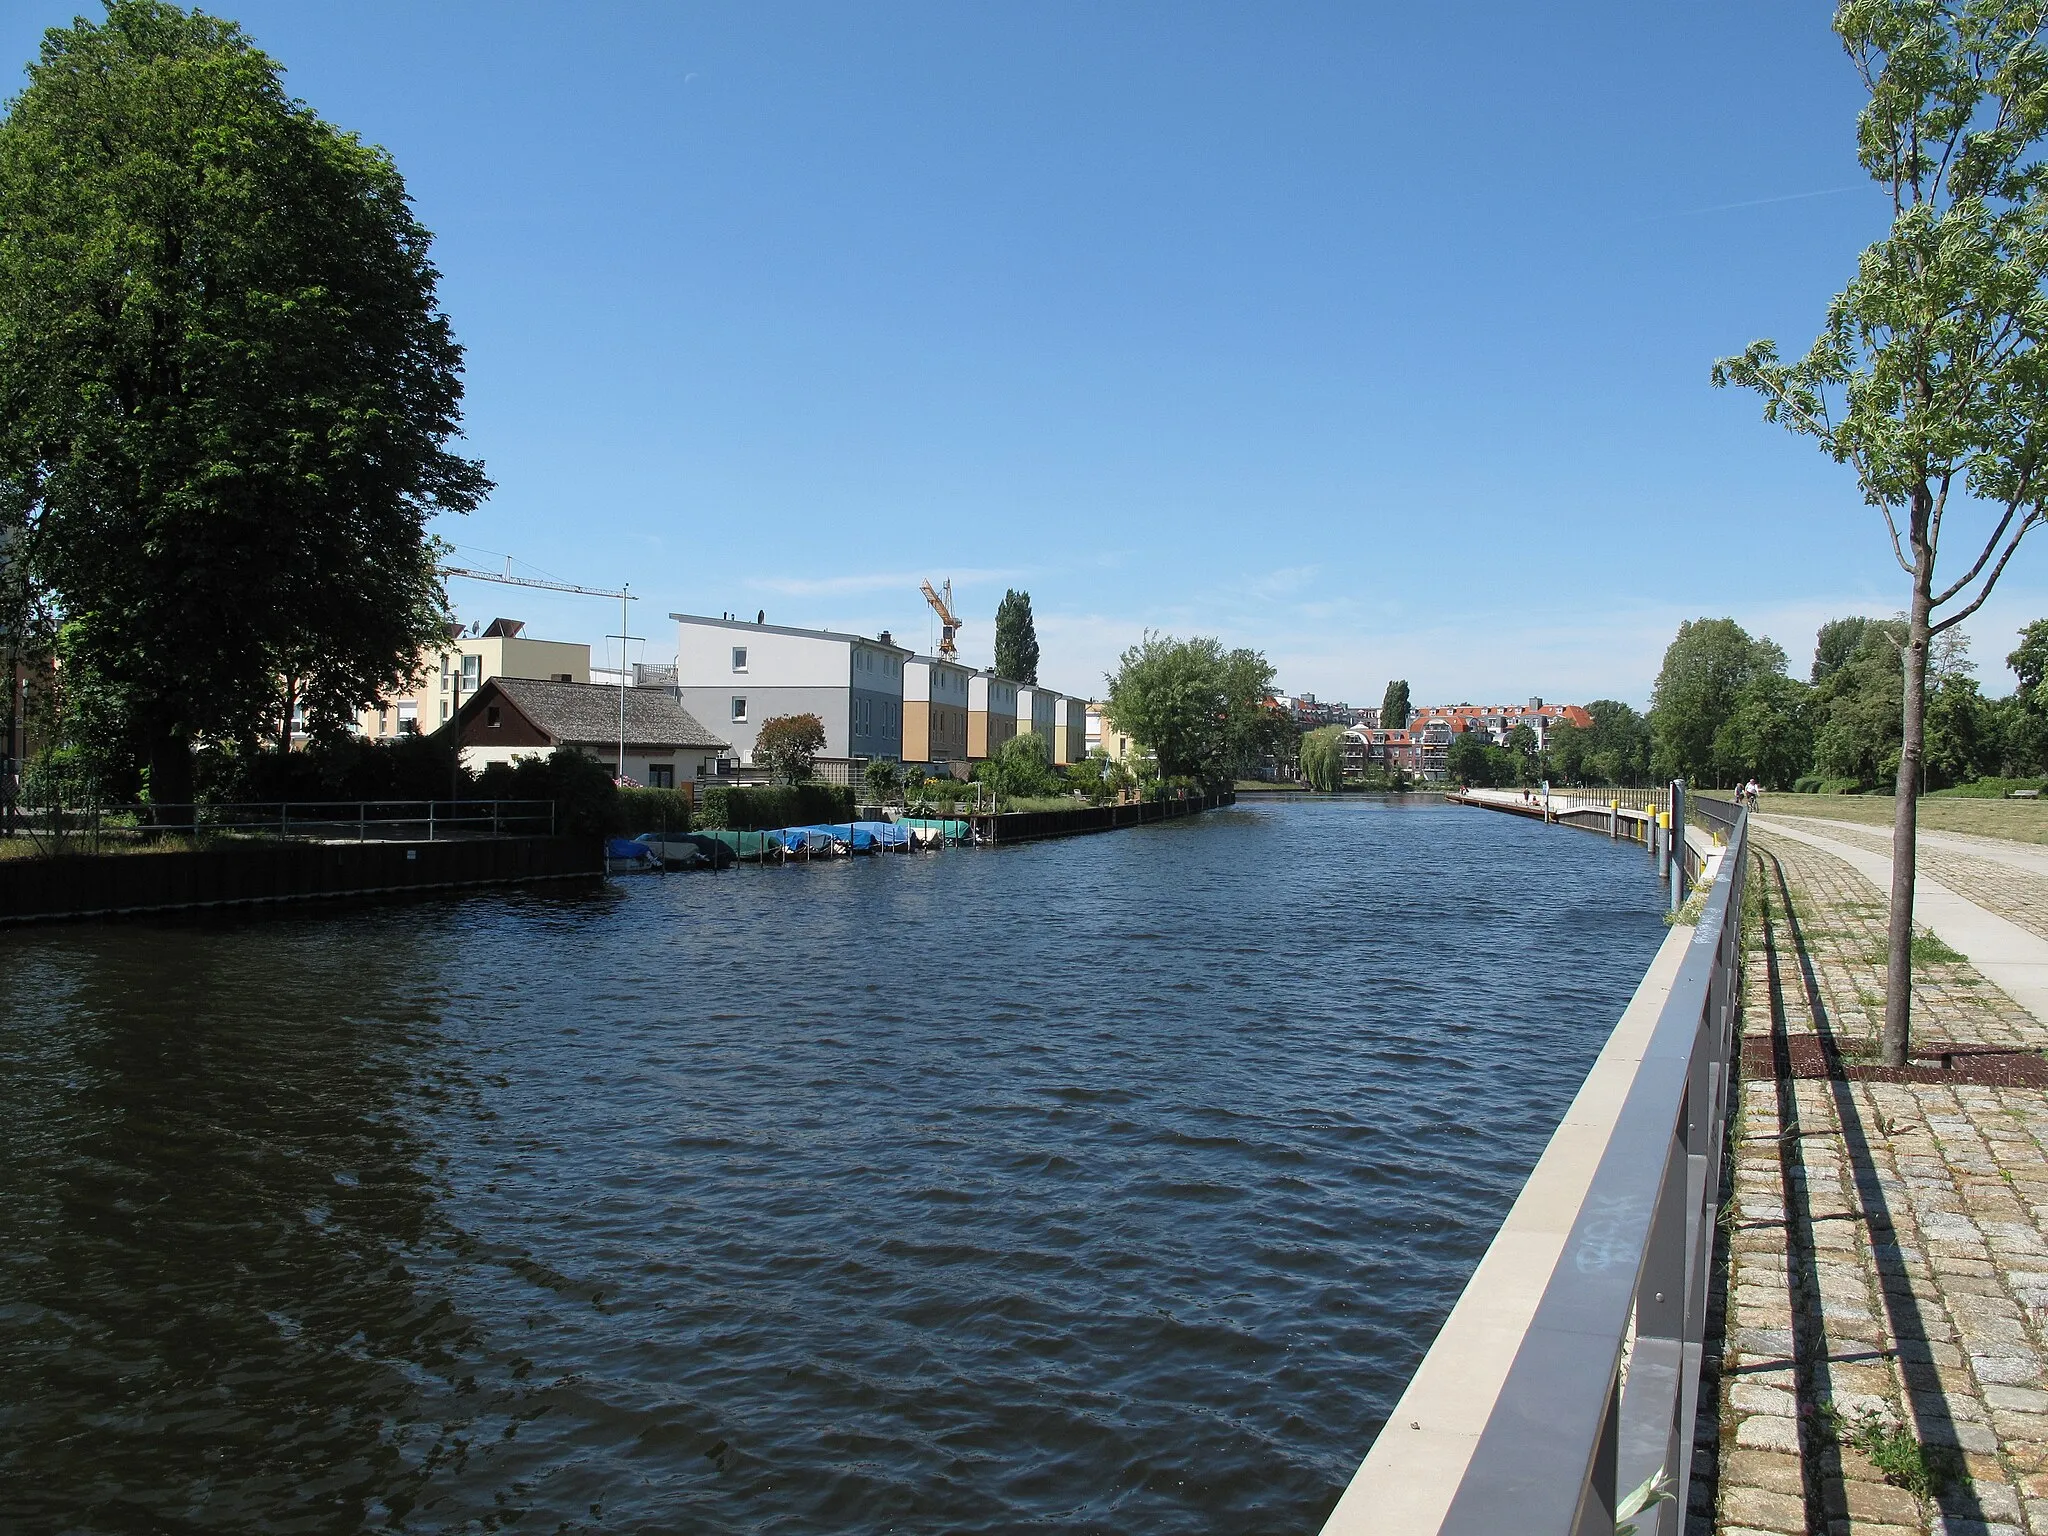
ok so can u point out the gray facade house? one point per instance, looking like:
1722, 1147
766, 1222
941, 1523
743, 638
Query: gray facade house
733, 675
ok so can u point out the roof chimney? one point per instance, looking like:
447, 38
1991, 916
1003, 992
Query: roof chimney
886, 638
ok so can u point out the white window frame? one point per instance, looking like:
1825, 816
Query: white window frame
739, 709
739, 658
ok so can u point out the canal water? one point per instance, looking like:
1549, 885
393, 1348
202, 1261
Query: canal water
1114, 1184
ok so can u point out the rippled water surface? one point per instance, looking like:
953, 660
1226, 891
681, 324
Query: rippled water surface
1114, 1184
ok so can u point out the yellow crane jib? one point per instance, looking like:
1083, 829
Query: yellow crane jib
949, 623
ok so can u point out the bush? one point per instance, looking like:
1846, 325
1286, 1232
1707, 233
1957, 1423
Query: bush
1984, 789
762, 807
653, 810
1840, 787
586, 800
881, 780
1807, 784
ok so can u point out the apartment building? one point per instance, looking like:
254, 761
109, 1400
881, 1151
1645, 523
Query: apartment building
1103, 736
935, 704
991, 714
1368, 749
733, 675
464, 663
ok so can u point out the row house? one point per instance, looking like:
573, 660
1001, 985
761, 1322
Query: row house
643, 733
734, 675
877, 700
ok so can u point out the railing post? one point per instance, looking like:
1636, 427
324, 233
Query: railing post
1678, 797
284, 821
362, 821
430, 821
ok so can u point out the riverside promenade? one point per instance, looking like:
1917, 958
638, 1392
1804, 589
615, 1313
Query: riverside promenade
1881, 1365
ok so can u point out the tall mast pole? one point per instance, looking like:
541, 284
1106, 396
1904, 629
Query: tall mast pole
624, 645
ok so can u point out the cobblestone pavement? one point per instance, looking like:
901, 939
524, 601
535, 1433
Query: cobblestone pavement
2000, 888
1881, 1368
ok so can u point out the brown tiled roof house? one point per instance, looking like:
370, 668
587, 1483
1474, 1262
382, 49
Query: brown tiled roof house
513, 717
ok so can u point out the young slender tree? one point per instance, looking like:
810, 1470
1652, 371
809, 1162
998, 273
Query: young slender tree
226, 388
1928, 378
1016, 638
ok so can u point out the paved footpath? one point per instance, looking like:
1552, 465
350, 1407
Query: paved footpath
1881, 1368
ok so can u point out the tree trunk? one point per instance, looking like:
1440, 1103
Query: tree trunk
291, 700
170, 769
1898, 999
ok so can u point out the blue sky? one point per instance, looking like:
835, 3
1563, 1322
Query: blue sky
1374, 337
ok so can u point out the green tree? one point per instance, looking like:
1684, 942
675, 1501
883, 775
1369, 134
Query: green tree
1470, 761
1016, 638
1618, 748
1322, 758
228, 388
2024, 719
788, 746
1768, 735
1836, 642
1021, 766
1394, 706
882, 781
1191, 702
1706, 668
1927, 376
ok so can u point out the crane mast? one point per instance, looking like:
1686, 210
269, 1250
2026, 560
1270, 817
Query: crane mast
949, 622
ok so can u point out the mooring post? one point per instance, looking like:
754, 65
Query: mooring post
1677, 844
1613, 821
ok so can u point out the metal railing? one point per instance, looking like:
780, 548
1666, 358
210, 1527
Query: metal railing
89, 828
1598, 1389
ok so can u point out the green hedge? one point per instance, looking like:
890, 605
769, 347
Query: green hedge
653, 810
759, 807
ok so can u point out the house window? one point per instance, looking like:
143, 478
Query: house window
661, 775
444, 709
408, 712
561, 677
739, 661
491, 715
472, 672
739, 709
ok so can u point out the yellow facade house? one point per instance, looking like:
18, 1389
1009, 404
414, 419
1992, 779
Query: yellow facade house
450, 673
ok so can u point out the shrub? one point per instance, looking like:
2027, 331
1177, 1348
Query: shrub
653, 810
881, 781
586, 800
755, 808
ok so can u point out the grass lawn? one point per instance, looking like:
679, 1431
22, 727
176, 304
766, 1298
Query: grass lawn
2024, 821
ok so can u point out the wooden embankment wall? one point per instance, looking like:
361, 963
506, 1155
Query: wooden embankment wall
1034, 826
108, 885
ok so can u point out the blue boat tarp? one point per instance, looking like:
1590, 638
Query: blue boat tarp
626, 848
846, 832
885, 833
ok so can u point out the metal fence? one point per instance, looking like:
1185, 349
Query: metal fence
1598, 1391
88, 829
1717, 816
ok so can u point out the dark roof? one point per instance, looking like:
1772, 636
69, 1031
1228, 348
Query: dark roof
589, 712
782, 629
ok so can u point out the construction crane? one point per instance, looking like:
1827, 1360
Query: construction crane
624, 595
949, 623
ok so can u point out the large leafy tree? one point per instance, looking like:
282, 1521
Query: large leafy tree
1197, 706
1928, 376
226, 389
1707, 667
1016, 638
1322, 758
